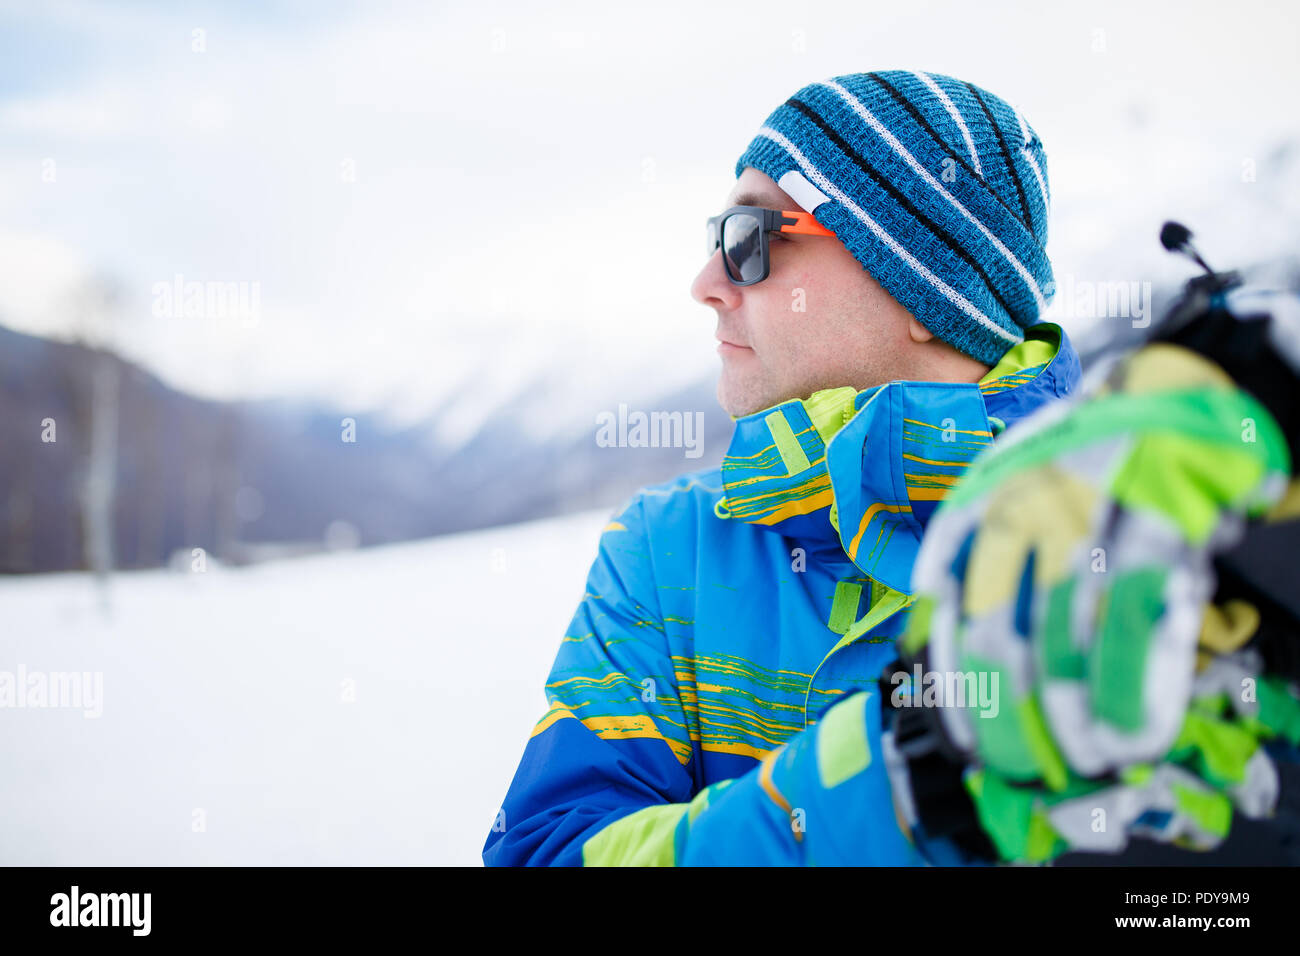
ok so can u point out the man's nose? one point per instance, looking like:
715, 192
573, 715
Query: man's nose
712, 287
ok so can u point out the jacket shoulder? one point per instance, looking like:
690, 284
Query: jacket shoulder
686, 497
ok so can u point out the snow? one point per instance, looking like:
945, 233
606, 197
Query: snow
223, 693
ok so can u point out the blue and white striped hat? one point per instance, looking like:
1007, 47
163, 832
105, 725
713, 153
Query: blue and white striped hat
937, 187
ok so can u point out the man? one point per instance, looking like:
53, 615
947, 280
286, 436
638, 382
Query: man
878, 293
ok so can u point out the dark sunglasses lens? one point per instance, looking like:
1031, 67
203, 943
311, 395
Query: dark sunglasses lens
741, 237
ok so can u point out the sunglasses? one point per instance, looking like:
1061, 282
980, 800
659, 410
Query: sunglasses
742, 233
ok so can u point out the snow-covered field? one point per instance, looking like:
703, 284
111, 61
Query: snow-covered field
226, 736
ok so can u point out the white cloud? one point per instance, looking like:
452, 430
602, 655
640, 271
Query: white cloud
40, 272
401, 183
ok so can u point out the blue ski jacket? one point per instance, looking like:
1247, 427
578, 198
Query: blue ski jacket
715, 700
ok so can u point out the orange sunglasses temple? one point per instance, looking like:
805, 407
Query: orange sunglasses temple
804, 224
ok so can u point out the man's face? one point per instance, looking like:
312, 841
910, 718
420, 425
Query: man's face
850, 332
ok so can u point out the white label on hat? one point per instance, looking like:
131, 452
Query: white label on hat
808, 196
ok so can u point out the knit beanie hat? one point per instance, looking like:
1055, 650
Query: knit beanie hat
937, 187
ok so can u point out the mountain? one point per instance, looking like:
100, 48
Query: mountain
243, 480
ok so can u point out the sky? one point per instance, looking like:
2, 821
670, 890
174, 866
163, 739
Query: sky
453, 200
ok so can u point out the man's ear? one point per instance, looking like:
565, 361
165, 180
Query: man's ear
918, 332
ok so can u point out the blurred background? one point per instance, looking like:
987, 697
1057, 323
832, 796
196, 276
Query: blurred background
309, 313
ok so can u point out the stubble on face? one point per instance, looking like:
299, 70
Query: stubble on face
851, 331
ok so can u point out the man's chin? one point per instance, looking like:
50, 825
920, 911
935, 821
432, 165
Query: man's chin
739, 400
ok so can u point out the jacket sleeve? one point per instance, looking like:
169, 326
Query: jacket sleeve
608, 776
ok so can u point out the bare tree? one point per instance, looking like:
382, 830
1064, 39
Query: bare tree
96, 306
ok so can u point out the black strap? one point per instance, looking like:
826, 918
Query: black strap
943, 806
1240, 346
